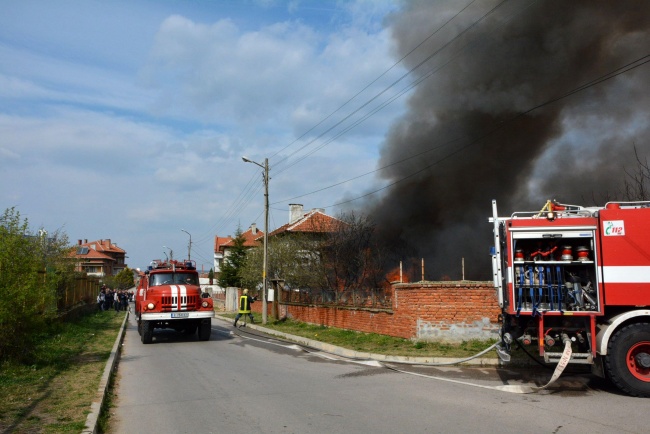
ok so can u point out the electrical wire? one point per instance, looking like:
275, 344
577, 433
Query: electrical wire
390, 86
371, 83
244, 196
621, 70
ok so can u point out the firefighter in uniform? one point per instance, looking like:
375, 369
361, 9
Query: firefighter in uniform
245, 307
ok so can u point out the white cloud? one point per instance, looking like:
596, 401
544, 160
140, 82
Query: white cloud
108, 139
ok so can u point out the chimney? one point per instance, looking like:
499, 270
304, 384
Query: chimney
79, 242
295, 212
85, 241
253, 228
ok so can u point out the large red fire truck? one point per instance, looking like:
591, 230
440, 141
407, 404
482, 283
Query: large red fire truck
578, 278
169, 296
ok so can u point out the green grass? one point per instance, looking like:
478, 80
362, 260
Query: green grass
52, 392
377, 343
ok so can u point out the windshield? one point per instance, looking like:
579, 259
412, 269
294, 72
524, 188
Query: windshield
174, 278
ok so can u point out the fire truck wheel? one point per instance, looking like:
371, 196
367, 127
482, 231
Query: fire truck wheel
628, 359
147, 332
140, 327
205, 328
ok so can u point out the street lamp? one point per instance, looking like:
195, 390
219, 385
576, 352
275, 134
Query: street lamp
265, 167
171, 253
189, 246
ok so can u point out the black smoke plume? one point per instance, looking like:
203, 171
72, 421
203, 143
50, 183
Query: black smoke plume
478, 133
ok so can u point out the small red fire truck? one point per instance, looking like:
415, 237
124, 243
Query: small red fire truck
578, 278
169, 296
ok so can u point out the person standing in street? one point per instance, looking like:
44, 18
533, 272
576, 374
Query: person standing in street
245, 302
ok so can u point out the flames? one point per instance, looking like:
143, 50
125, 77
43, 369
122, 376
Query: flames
393, 276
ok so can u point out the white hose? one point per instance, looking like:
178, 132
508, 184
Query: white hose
564, 361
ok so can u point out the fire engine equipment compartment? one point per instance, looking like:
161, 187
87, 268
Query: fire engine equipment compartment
546, 276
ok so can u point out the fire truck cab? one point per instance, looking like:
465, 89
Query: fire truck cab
578, 275
169, 296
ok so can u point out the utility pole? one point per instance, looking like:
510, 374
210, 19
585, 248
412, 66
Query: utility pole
266, 241
265, 265
189, 246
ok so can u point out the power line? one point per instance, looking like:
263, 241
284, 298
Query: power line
386, 89
243, 198
626, 68
364, 89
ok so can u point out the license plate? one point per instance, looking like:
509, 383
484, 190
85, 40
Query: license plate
181, 315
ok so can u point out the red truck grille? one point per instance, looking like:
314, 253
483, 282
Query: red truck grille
187, 302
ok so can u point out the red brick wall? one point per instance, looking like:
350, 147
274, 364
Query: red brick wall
442, 311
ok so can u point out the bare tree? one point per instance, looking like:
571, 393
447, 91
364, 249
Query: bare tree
351, 255
635, 186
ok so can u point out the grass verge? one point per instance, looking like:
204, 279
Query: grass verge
53, 392
376, 343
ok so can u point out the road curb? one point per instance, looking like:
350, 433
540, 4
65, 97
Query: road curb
98, 402
351, 354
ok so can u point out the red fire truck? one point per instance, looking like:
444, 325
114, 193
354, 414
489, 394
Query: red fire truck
578, 278
169, 296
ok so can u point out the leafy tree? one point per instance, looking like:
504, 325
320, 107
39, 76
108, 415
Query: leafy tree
233, 263
291, 258
124, 279
346, 255
211, 275
34, 268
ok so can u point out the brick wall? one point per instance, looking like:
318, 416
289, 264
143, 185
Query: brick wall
436, 311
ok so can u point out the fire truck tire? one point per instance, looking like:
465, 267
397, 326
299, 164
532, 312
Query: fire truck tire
628, 359
147, 332
205, 329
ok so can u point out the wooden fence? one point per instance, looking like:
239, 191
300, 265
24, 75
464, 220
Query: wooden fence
83, 290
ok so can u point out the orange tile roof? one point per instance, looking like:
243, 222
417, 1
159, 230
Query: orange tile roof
104, 246
315, 221
219, 242
250, 240
91, 254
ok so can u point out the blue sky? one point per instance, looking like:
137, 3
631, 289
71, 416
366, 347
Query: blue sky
128, 119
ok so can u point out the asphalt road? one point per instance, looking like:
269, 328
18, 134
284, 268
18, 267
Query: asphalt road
244, 382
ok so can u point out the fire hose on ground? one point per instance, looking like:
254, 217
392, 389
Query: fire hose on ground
511, 388
520, 389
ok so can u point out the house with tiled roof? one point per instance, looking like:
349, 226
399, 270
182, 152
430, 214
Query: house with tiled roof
99, 258
314, 223
222, 245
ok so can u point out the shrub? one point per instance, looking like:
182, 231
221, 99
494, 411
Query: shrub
33, 268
